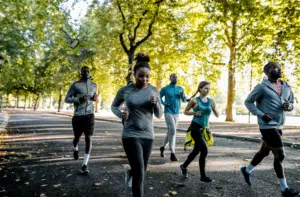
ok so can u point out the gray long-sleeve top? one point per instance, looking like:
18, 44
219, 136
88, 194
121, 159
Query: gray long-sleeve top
140, 120
79, 89
268, 101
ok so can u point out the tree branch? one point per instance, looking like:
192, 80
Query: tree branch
139, 23
149, 28
122, 13
123, 43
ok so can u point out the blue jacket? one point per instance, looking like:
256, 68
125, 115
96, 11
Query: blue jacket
173, 94
268, 101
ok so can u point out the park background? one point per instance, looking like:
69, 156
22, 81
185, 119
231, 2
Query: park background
227, 42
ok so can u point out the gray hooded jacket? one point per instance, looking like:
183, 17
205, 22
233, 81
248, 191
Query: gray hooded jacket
79, 89
268, 101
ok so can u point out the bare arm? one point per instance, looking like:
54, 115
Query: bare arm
214, 108
189, 106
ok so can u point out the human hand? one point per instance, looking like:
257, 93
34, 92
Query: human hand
95, 98
198, 113
286, 106
125, 115
83, 98
153, 100
267, 117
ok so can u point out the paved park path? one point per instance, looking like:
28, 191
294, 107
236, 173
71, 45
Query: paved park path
36, 160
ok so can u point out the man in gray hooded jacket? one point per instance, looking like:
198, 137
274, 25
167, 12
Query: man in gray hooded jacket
273, 98
82, 94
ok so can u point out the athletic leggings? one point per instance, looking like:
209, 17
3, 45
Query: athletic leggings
200, 146
138, 152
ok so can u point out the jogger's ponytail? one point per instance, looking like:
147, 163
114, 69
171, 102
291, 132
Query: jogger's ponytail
201, 85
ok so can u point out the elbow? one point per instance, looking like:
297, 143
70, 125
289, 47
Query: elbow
185, 113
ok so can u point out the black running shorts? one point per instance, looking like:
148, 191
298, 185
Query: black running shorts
83, 124
272, 137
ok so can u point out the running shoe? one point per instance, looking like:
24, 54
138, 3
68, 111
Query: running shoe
247, 176
128, 177
184, 171
173, 157
76, 154
289, 192
206, 179
162, 149
84, 169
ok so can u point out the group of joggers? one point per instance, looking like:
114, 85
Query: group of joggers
269, 101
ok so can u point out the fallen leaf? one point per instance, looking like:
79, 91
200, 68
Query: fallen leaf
17, 180
206, 194
173, 193
43, 195
276, 183
43, 179
27, 183
166, 195
58, 185
44, 185
69, 175
151, 188
97, 184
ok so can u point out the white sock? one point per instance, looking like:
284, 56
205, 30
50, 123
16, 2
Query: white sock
86, 159
283, 184
249, 168
76, 148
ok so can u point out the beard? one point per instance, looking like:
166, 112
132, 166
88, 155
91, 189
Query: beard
276, 75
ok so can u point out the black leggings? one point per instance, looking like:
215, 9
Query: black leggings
138, 152
200, 146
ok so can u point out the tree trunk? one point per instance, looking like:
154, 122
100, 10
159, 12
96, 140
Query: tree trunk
7, 99
18, 99
231, 89
59, 100
129, 78
99, 94
231, 71
29, 103
25, 102
36, 102
159, 81
50, 102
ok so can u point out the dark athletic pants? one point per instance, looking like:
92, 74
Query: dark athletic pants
138, 152
200, 146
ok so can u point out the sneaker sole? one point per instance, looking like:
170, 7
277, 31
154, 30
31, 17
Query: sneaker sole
85, 172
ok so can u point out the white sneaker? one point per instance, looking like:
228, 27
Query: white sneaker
128, 179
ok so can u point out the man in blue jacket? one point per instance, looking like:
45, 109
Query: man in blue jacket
273, 98
173, 95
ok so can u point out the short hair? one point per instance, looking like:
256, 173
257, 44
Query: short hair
172, 74
84, 68
269, 65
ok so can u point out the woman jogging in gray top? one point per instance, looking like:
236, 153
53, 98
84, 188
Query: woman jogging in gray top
142, 101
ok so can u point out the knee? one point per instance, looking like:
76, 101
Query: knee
196, 151
264, 153
88, 138
204, 153
279, 156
